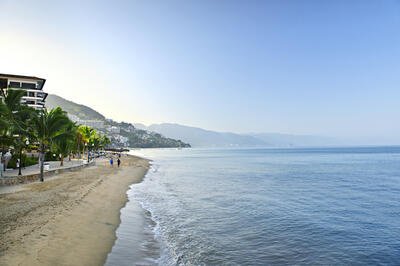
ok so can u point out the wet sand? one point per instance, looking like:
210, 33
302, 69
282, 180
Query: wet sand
68, 220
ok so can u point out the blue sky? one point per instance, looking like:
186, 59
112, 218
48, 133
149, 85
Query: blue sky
303, 67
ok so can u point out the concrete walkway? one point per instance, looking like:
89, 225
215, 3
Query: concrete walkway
12, 182
35, 169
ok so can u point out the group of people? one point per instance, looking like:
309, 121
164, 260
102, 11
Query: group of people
118, 161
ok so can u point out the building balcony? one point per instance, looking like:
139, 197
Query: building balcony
32, 98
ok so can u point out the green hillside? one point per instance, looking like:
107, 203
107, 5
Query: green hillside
137, 138
81, 111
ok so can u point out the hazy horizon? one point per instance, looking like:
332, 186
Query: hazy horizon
291, 67
345, 141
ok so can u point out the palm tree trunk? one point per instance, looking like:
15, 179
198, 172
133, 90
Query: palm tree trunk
41, 156
41, 165
20, 162
62, 160
3, 152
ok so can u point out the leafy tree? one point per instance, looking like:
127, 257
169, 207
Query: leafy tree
79, 142
3, 119
22, 129
104, 141
95, 141
87, 134
14, 120
64, 144
48, 127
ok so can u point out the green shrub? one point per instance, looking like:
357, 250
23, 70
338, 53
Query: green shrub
26, 161
49, 156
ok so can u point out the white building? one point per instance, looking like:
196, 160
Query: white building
129, 129
73, 118
33, 87
91, 123
114, 129
123, 139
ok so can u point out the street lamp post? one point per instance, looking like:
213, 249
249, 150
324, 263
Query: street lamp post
92, 147
86, 148
20, 158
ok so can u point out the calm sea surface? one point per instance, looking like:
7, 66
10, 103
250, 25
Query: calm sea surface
335, 206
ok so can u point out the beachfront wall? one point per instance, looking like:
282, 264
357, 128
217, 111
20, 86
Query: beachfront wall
9, 181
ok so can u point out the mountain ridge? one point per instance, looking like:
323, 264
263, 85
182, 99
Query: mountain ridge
82, 111
205, 138
126, 132
199, 137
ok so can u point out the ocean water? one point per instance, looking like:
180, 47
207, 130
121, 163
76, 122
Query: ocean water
319, 206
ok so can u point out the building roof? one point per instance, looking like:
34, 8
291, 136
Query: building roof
22, 77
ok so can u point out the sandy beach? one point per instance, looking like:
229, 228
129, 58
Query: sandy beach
67, 220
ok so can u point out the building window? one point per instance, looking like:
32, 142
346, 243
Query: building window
40, 84
28, 85
31, 94
3, 83
14, 84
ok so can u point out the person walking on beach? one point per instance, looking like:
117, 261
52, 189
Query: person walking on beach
118, 162
111, 162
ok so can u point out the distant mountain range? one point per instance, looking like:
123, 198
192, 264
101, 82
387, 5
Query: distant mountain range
136, 138
287, 140
198, 137
201, 137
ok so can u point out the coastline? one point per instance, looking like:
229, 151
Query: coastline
69, 220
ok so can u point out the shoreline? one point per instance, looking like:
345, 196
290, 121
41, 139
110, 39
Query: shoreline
69, 220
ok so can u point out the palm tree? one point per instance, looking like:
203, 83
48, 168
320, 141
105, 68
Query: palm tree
48, 128
4, 140
64, 147
14, 119
97, 139
13, 100
22, 129
5, 123
79, 142
87, 134
104, 141
64, 144
3, 119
